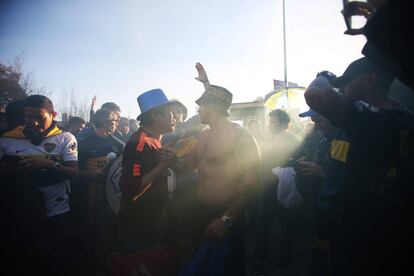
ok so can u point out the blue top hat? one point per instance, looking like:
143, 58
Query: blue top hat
150, 100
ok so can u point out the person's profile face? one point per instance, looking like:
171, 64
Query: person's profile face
204, 111
178, 114
125, 129
77, 128
167, 120
322, 124
255, 127
81, 127
38, 119
275, 126
123, 126
133, 125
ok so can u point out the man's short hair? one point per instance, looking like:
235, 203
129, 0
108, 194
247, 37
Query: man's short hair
103, 115
39, 101
73, 121
281, 115
111, 106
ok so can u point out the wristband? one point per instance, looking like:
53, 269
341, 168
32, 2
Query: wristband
56, 166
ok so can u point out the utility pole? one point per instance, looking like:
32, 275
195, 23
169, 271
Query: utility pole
284, 54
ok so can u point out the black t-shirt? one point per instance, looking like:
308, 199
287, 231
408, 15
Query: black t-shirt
142, 208
94, 150
369, 168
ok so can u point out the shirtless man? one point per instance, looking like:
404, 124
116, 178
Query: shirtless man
228, 162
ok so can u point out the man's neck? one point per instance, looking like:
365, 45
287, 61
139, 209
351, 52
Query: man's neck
278, 132
154, 131
100, 132
217, 122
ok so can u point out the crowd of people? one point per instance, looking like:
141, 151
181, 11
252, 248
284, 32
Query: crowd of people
190, 191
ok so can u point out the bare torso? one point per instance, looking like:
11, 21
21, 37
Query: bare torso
220, 172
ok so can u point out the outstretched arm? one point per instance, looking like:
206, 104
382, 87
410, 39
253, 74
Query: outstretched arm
92, 111
202, 75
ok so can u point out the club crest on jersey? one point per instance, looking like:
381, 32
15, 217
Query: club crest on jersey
73, 147
49, 147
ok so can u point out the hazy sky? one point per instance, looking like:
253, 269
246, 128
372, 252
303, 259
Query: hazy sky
118, 49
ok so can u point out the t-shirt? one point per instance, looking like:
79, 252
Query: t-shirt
60, 148
142, 208
94, 150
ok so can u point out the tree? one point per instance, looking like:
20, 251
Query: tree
70, 104
10, 87
16, 84
27, 79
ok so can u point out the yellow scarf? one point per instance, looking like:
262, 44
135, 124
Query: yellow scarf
18, 132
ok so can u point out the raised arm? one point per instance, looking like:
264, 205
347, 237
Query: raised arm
92, 110
321, 97
202, 75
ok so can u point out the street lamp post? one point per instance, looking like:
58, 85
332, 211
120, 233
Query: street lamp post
284, 55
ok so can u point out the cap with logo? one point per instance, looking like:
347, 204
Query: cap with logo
216, 95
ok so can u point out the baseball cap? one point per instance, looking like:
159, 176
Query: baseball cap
309, 113
216, 95
359, 67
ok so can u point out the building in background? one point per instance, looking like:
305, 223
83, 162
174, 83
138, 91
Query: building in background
242, 113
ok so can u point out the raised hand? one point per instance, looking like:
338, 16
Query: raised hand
357, 8
309, 168
202, 75
215, 230
93, 105
36, 163
166, 155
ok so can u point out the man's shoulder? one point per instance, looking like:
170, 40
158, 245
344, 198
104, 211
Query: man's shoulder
67, 136
289, 136
234, 129
233, 126
85, 133
141, 141
204, 134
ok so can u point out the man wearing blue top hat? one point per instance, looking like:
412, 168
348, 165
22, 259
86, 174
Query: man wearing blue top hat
144, 178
